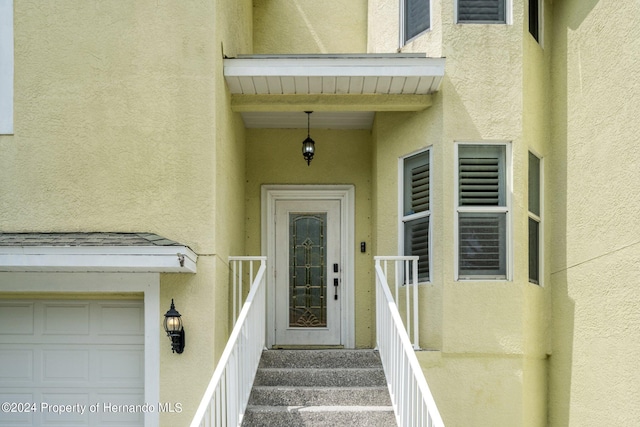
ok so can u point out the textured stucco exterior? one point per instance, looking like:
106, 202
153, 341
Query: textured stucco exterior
121, 116
342, 157
309, 26
479, 329
123, 122
595, 173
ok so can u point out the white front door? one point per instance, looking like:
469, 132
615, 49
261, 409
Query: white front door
308, 272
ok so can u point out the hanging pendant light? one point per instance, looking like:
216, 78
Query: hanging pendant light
308, 145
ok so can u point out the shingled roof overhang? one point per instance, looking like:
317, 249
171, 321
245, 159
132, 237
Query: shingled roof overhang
266, 87
94, 252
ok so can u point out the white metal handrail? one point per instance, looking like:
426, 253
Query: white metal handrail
242, 269
405, 273
412, 400
227, 395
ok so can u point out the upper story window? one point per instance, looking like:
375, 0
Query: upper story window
535, 218
482, 211
482, 11
6, 66
415, 205
415, 18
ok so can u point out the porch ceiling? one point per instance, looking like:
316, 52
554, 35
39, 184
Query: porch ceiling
345, 91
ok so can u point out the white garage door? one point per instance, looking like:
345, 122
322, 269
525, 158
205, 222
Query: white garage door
71, 362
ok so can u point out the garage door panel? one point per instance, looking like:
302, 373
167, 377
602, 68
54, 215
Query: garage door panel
16, 318
56, 412
14, 419
16, 365
63, 366
120, 408
65, 319
121, 366
119, 320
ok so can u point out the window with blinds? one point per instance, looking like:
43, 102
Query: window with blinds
482, 11
415, 18
416, 210
482, 211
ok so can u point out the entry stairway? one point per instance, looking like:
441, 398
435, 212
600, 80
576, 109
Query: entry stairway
319, 388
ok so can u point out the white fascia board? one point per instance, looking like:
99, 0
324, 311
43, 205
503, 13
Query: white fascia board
351, 66
125, 259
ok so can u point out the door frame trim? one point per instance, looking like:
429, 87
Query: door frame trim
346, 195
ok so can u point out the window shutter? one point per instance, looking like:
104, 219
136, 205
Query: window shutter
420, 188
482, 244
416, 17
480, 183
481, 11
416, 184
416, 201
416, 242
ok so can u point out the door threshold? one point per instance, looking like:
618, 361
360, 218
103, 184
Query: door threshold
307, 347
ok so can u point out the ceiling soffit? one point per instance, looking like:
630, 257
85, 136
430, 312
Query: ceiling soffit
345, 90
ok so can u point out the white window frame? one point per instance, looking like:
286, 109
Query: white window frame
6, 67
507, 210
508, 15
402, 218
402, 41
539, 219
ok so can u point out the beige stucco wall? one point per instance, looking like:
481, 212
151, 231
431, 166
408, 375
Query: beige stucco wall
274, 156
122, 123
310, 26
488, 335
536, 135
596, 171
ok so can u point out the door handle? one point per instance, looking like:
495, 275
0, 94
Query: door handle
335, 287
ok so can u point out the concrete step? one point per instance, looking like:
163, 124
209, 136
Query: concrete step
320, 388
335, 416
320, 359
320, 396
337, 377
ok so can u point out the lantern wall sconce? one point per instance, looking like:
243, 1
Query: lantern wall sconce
173, 328
308, 145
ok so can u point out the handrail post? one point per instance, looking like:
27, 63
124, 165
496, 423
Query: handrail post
416, 338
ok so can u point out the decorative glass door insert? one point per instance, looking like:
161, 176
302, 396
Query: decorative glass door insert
307, 270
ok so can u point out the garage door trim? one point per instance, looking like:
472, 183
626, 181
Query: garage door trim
68, 283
